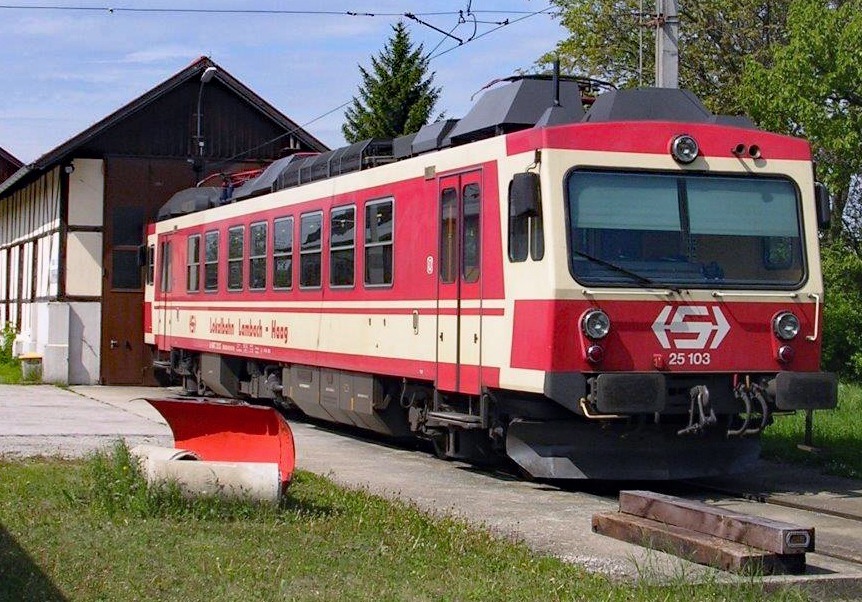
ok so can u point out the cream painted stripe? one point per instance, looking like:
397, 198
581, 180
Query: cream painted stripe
395, 304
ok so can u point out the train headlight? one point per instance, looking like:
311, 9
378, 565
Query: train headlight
596, 324
785, 325
684, 149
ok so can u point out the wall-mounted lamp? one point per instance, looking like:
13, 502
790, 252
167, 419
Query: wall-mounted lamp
198, 165
70, 168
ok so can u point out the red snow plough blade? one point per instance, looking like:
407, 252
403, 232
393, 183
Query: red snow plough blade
230, 431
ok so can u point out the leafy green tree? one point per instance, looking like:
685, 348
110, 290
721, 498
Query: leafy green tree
397, 96
842, 312
715, 39
812, 87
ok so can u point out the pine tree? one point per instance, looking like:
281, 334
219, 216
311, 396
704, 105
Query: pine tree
397, 97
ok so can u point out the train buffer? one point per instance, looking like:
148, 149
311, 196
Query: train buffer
717, 537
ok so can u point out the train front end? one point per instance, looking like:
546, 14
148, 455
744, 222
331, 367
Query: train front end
681, 309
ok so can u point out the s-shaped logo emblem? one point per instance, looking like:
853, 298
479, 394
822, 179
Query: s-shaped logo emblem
676, 332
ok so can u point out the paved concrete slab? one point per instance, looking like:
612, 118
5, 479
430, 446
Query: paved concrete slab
48, 420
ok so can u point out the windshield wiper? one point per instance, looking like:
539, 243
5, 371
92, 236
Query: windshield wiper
640, 279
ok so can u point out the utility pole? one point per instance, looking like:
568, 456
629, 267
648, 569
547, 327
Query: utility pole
667, 44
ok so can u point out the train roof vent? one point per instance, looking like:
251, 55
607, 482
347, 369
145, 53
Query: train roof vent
649, 104
263, 183
289, 176
433, 136
515, 106
402, 146
191, 200
740, 121
365, 154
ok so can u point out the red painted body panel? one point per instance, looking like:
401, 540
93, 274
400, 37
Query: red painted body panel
548, 336
654, 137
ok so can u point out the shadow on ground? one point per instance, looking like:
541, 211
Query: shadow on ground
20, 577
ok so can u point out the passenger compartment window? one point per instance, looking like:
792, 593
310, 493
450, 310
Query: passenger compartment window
211, 261
342, 237
257, 257
193, 264
379, 236
310, 235
234, 257
282, 253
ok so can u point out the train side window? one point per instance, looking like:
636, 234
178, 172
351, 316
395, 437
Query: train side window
257, 256
282, 253
235, 253
342, 243
310, 238
211, 261
151, 264
193, 264
470, 245
448, 235
526, 234
379, 236
165, 279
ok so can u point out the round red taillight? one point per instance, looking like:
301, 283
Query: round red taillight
595, 354
785, 354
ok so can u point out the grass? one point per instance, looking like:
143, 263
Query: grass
838, 434
93, 531
10, 372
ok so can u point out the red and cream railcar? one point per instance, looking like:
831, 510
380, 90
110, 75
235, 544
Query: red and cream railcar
632, 293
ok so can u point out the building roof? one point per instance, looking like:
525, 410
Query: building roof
192, 73
9, 158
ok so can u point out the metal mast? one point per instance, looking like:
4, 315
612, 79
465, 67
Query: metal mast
667, 44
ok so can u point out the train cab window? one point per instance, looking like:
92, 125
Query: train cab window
235, 251
165, 272
310, 238
193, 264
379, 235
257, 256
448, 235
342, 242
211, 261
282, 253
470, 245
526, 234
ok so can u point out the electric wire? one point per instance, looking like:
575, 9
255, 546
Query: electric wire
341, 106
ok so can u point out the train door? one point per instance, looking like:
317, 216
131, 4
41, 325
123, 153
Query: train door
459, 283
165, 285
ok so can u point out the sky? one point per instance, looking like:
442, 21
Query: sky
61, 70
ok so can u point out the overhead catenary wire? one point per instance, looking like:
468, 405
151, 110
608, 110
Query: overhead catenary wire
341, 106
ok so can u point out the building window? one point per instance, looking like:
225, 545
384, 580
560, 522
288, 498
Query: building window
282, 253
310, 235
211, 261
193, 264
379, 234
235, 252
342, 233
257, 256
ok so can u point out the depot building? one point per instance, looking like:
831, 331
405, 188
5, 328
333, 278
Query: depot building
71, 222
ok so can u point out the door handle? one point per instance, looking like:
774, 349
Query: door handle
114, 343
475, 337
441, 336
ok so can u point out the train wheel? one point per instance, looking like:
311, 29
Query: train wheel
441, 445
